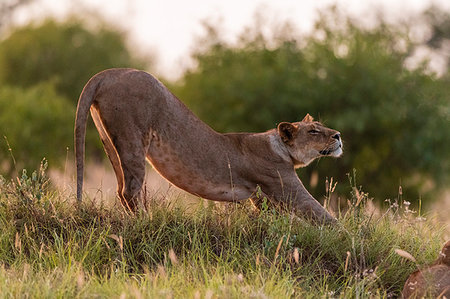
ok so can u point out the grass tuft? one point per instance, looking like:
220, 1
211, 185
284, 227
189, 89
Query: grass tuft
51, 247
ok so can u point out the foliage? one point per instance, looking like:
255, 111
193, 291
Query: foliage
66, 53
34, 123
439, 39
394, 120
52, 248
43, 68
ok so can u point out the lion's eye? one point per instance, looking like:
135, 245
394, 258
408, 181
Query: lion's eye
313, 132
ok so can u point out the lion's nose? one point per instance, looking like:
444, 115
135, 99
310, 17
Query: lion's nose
337, 136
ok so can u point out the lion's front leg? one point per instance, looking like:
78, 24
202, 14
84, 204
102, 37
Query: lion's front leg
303, 203
292, 195
311, 209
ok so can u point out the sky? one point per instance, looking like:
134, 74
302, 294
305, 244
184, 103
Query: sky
168, 29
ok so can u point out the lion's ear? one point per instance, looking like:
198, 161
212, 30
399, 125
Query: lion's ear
287, 131
308, 118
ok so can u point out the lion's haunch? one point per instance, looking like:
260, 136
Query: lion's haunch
138, 118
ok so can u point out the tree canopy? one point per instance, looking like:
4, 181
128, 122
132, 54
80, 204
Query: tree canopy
43, 68
394, 120
36, 122
67, 53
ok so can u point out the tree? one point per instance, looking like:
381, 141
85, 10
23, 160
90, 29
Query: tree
66, 53
37, 123
439, 39
43, 68
394, 120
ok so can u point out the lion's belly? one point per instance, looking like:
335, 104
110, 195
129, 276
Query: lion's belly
194, 182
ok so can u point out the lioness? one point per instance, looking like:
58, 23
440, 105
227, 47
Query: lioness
138, 118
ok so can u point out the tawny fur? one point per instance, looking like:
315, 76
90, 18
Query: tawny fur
432, 281
138, 118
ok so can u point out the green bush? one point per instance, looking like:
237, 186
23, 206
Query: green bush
37, 123
67, 53
43, 68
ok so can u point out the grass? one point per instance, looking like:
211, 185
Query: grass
52, 248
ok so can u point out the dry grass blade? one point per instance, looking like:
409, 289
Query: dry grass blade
296, 255
118, 239
80, 279
347, 261
173, 257
405, 255
41, 250
18, 242
359, 197
161, 271
278, 249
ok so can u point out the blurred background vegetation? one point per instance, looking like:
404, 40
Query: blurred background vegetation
392, 109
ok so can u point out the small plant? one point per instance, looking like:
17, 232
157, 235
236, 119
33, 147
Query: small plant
28, 188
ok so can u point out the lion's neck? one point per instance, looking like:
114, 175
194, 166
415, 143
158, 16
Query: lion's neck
278, 147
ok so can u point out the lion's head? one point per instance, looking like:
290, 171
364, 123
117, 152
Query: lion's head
308, 139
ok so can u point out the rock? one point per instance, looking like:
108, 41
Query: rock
431, 281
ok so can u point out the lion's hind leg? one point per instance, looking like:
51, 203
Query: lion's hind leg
131, 153
110, 152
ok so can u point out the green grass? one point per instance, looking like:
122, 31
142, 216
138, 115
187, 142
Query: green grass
52, 248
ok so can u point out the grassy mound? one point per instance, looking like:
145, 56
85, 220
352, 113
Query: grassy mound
51, 247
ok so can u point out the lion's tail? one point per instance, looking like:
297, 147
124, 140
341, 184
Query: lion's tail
84, 104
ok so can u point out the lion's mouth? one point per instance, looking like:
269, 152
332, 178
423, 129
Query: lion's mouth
335, 150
